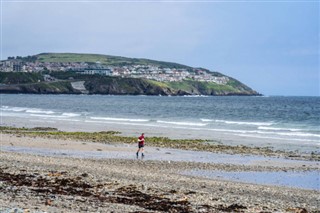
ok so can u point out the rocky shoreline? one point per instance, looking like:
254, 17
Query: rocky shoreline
36, 183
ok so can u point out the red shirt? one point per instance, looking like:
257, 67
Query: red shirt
141, 139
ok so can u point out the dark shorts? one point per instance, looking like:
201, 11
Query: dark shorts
140, 145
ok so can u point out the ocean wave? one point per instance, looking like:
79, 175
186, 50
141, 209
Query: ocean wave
39, 111
48, 116
246, 123
14, 109
119, 119
122, 123
27, 110
195, 96
206, 120
70, 114
182, 123
279, 129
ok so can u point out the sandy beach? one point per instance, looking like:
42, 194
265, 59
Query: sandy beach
69, 180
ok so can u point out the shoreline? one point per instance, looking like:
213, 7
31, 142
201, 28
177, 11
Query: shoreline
131, 185
111, 137
129, 129
84, 149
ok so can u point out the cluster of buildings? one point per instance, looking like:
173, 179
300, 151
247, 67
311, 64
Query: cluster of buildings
134, 71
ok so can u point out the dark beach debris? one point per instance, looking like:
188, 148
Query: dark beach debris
232, 208
44, 129
134, 197
57, 183
110, 132
53, 183
297, 210
190, 192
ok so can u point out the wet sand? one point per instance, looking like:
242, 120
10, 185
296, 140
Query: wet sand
85, 149
111, 179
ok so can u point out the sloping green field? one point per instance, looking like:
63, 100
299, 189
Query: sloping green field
103, 59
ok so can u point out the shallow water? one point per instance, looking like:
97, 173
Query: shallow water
294, 179
162, 154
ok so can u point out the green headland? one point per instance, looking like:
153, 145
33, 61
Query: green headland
72, 73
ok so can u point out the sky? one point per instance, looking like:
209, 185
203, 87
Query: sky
271, 46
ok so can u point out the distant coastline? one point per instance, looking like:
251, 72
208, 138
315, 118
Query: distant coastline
70, 73
105, 85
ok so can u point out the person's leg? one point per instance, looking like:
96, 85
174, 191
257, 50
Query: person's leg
142, 149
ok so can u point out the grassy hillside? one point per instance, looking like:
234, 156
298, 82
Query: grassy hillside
205, 88
104, 59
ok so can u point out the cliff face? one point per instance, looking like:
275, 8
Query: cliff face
95, 84
125, 86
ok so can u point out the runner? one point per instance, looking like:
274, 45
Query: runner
141, 145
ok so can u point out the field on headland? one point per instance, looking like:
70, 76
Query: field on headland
43, 169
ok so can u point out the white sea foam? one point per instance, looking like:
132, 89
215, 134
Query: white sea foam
14, 109
195, 96
182, 123
246, 123
39, 111
121, 123
71, 114
206, 120
279, 129
48, 116
27, 110
18, 109
119, 119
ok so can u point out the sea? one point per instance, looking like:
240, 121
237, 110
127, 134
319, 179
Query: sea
281, 123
